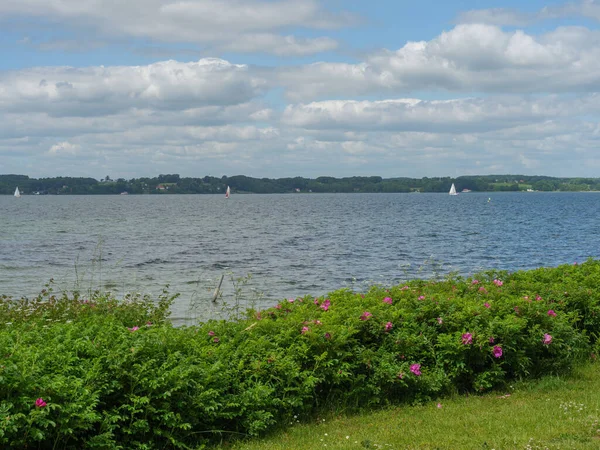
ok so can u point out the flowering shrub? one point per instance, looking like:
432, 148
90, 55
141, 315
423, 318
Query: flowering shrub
98, 372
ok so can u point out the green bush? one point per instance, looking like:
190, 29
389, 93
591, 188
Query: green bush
105, 373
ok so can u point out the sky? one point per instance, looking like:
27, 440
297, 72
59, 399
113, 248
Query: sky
283, 88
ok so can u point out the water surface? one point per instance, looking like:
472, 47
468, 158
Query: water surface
292, 245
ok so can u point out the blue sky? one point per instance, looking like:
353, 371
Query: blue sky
274, 88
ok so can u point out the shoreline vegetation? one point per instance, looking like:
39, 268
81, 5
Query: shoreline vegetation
92, 371
240, 184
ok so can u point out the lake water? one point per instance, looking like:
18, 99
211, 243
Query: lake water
292, 245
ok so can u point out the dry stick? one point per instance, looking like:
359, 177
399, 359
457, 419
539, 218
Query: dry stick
216, 294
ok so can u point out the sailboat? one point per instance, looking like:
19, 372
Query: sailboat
452, 190
17, 193
227, 192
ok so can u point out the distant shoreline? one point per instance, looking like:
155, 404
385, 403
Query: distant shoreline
241, 184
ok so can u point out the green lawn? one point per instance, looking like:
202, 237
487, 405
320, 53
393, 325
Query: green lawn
551, 413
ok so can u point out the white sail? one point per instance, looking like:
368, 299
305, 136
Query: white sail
227, 192
452, 190
17, 193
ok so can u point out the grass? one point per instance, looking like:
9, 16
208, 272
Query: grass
550, 413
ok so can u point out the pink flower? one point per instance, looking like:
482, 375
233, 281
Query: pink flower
316, 302
440, 320
148, 324
547, 339
404, 288
538, 298
526, 297
551, 313
421, 297
498, 282
486, 304
133, 328
467, 339
482, 289
216, 340
327, 336
40, 403
305, 330
491, 339
317, 322
387, 300
575, 263
439, 405
278, 306
325, 305
497, 351
366, 315
416, 369
475, 282
291, 300
388, 326
211, 333
401, 375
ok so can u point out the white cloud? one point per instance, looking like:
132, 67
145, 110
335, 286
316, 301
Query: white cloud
448, 116
104, 90
468, 58
514, 17
240, 25
280, 45
64, 148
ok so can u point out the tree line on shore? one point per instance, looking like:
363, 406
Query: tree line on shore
175, 184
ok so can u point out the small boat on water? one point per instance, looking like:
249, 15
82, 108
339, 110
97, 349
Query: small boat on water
17, 193
452, 190
227, 192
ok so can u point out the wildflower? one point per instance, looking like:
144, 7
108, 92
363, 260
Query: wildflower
316, 302
421, 297
498, 282
482, 289
491, 339
278, 306
366, 315
486, 304
133, 328
475, 282
211, 333
439, 320
325, 305
439, 405
404, 288
497, 351
416, 369
317, 322
467, 339
387, 300
291, 300
388, 326
547, 339
40, 403
305, 330
551, 313
327, 336
148, 324
538, 298
526, 297
401, 375
216, 340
